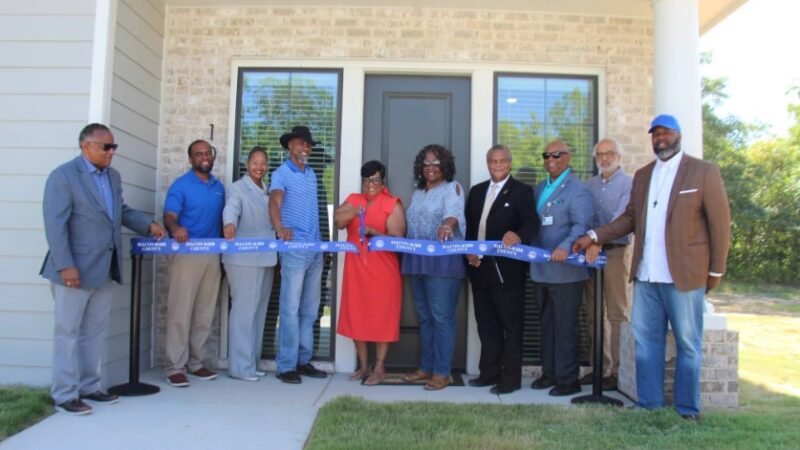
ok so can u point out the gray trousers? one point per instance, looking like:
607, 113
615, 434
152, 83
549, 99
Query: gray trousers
192, 299
250, 289
80, 321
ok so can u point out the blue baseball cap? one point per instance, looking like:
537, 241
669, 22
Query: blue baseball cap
666, 121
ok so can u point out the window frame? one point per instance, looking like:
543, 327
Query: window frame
236, 169
595, 104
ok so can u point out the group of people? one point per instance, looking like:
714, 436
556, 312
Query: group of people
84, 212
197, 206
676, 207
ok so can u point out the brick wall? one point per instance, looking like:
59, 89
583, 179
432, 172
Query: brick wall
201, 43
719, 376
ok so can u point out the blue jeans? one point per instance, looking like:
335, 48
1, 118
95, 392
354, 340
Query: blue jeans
435, 299
653, 305
301, 277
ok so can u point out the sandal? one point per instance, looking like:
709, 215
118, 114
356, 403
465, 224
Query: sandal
374, 378
359, 375
419, 375
437, 382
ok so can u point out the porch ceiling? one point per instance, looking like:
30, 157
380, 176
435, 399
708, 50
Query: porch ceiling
711, 11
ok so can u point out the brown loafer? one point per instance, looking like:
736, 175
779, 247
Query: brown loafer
437, 382
419, 375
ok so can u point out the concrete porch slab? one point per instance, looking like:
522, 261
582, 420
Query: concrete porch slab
227, 413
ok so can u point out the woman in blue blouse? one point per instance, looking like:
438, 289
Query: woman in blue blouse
436, 213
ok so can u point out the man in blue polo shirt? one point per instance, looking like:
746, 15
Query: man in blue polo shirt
294, 213
193, 209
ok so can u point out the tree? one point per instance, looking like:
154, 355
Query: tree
763, 184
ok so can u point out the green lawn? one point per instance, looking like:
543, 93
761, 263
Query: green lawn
775, 291
768, 416
21, 407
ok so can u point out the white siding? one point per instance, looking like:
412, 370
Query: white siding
45, 88
135, 117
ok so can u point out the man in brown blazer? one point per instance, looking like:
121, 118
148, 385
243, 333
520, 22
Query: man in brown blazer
680, 216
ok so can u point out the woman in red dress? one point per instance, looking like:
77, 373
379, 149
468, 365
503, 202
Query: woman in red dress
372, 286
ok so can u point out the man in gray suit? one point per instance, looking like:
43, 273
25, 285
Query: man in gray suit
83, 217
565, 208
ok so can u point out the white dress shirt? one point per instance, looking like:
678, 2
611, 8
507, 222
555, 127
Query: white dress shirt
654, 266
499, 187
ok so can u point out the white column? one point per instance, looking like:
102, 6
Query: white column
676, 84
676, 68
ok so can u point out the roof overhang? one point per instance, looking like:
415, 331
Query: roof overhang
711, 12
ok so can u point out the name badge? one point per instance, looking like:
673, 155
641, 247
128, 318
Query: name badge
547, 220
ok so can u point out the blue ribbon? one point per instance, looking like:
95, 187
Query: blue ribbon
489, 248
150, 246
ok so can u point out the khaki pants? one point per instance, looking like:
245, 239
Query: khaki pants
617, 301
193, 291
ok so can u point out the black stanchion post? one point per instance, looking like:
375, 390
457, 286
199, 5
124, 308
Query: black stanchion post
597, 356
133, 387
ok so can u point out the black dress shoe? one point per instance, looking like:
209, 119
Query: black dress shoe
290, 377
543, 382
309, 370
504, 389
562, 390
482, 382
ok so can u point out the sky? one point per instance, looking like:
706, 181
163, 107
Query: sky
756, 48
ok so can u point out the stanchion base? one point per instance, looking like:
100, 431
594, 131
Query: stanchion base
599, 399
134, 389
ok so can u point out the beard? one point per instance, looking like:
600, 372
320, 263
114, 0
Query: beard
666, 153
201, 169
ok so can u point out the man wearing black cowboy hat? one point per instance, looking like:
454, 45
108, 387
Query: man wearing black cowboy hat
292, 189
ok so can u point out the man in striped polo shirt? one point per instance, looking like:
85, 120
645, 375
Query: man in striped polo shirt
294, 213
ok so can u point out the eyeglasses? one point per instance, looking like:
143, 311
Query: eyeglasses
435, 162
554, 155
106, 147
599, 155
372, 181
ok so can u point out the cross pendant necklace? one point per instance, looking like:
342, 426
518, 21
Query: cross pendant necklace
661, 186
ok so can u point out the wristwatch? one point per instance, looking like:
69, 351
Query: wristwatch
592, 235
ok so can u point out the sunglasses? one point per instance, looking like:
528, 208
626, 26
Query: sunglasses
554, 155
435, 162
106, 147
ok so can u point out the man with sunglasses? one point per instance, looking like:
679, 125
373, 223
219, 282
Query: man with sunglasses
681, 221
192, 209
83, 217
566, 209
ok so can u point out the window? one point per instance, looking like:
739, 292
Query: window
269, 103
530, 111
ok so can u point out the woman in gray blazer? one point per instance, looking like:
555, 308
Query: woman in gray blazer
249, 274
